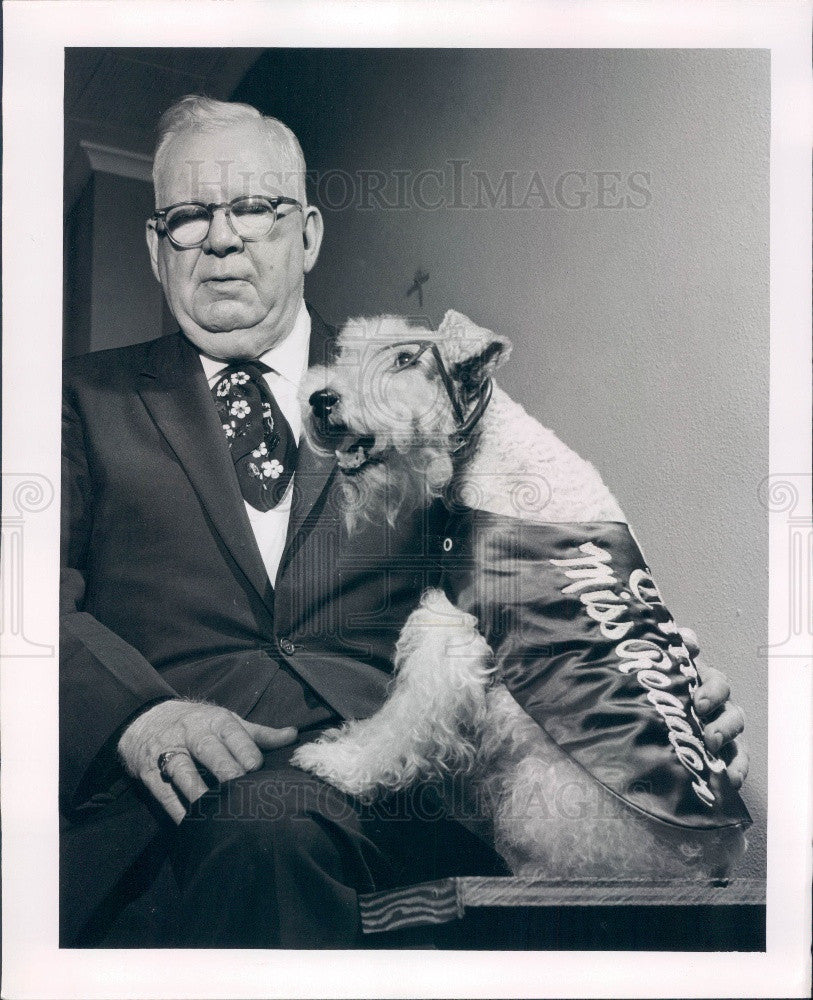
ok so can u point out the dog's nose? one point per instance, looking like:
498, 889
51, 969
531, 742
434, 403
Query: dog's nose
322, 401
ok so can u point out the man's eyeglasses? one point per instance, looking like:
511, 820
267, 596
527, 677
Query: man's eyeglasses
187, 224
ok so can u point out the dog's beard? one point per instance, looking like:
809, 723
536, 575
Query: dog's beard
381, 480
386, 473
386, 490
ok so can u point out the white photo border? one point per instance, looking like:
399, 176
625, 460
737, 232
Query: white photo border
35, 36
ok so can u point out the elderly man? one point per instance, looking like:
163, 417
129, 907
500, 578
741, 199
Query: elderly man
213, 611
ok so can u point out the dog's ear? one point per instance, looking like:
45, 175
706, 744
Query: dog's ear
471, 353
470, 374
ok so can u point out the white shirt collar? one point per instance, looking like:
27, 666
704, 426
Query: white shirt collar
289, 359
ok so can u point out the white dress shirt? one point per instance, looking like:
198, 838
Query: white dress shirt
288, 362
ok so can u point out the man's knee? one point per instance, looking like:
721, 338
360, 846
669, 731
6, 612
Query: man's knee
265, 818
271, 858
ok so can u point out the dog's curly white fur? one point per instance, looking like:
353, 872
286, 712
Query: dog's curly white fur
443, 665
447, 713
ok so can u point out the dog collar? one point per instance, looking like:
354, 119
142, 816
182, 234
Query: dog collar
479, 408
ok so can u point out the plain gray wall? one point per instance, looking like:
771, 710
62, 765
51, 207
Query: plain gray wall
640, 335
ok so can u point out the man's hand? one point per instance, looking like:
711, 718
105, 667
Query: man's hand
221, 741
723, 721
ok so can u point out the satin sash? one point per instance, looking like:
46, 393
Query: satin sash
585, 645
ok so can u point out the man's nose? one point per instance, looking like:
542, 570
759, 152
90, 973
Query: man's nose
221, 238
322, 402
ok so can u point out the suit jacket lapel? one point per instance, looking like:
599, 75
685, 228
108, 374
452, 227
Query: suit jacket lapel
174, 389
313, 472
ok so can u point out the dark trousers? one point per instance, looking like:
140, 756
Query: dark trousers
277, 858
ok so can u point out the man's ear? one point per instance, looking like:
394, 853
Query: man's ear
312, 233
152, 246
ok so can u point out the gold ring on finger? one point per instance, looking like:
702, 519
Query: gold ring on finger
164, 759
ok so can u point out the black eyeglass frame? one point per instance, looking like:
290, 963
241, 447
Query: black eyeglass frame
159, 215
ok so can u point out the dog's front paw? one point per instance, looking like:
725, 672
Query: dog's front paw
341, 761
318, 757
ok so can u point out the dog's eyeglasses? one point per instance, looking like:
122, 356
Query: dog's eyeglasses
409, 352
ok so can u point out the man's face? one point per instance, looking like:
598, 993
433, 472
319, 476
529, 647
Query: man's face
233, 299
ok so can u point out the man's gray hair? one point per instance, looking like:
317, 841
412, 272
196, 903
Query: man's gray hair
205, 114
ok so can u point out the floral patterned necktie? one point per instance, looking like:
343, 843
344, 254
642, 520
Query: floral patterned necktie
262, 443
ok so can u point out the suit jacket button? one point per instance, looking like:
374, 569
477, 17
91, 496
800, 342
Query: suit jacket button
287, 647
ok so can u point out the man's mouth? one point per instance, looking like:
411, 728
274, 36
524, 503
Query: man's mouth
225, 289
226, 279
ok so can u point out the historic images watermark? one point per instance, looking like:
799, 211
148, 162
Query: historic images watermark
24, 495
788, 497
546, 798
459, 184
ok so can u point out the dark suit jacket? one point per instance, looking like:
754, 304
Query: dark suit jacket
164, 592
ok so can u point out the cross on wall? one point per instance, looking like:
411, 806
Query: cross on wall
418, 281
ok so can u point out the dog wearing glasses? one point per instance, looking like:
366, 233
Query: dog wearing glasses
542, 682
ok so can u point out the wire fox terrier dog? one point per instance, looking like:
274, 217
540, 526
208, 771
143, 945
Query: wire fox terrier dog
544, 667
